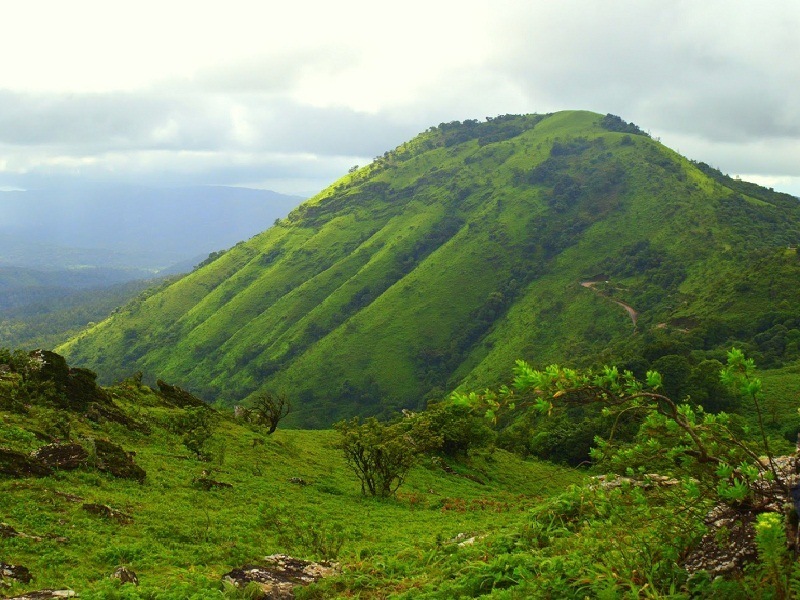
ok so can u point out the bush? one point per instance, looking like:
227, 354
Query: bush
459, 428
381, 454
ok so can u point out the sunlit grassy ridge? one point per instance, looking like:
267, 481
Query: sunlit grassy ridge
462, 250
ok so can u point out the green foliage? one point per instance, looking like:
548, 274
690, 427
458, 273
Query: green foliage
270, 409
455, 428
311, 535
381, 454
196, 425
615, 123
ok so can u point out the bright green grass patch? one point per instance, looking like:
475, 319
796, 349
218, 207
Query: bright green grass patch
182, 539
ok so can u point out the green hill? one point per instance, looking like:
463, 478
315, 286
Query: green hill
446, 259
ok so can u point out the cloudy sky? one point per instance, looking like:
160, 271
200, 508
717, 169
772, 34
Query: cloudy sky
287, 96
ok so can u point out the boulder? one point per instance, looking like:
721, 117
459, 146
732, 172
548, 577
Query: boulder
125, 575
110, 412
105, 511
207, 484
177, 396
61, 456
730, 542
17, 464
77, 387
17, 572
279, 574
111, 458
46, 595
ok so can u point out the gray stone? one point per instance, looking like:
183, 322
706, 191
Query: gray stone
279, 574
61, 456
125, 575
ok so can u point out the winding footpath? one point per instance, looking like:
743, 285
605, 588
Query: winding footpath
628, 308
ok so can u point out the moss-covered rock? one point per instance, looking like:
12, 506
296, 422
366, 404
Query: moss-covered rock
62, 456
17, 464
111, 458
75, 388
178, 396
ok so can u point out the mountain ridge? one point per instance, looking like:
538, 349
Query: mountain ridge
448, 258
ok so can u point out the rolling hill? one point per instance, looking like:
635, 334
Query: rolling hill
462, 250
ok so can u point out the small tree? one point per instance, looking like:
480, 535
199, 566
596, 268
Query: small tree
676, 437
382, 454
198, 428
270, 409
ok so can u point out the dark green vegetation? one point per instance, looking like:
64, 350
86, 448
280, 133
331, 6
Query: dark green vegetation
40, 310
445, 260
93, 478
181, 522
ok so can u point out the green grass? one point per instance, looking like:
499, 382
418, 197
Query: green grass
443, 261
183, 539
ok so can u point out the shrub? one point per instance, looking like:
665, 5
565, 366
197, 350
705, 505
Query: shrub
381, 454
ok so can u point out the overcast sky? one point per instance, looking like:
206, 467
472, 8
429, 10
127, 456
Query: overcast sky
286, 96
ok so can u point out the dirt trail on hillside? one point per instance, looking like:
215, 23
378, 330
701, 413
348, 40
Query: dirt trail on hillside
628, 308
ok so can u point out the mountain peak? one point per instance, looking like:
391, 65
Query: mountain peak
446, 259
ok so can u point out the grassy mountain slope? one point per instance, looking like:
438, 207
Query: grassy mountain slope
458, 252
180, 538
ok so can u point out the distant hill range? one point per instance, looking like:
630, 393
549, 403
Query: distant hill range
134, 230
464, 249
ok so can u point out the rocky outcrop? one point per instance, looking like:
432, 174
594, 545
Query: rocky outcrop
207, 484
61, 456
125, 575
17, 572
46, 595
177, 396
104, 413
105, 511
729, 544
279, 574
111, 458
17, 464
76, 387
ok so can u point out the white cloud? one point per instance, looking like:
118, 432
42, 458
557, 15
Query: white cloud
95, 84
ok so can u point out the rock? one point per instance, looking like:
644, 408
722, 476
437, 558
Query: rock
178, 396
102, 413
278, 574
61, 456
725, 553
111, 458
46, 595
68, 497
17, 464
204, 483
7, 531
647, 481
125, 575
729, 544
17, 572
77, 386
103, 510
242, 413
